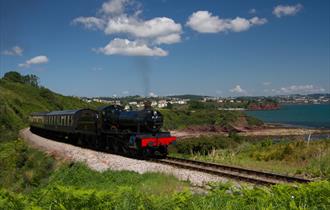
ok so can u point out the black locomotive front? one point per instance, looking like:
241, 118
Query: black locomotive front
116, 118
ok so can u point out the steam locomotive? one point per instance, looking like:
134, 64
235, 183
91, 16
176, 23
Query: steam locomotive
109, 128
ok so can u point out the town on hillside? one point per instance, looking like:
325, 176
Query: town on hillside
221, 103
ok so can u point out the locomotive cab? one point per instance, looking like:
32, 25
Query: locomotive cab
109, 116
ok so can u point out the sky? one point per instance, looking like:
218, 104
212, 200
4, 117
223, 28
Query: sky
167, 47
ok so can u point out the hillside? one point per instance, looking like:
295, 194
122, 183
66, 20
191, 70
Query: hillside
18, 98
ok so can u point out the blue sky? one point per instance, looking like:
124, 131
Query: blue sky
165, 47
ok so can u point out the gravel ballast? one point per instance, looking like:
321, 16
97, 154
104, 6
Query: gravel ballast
101, 161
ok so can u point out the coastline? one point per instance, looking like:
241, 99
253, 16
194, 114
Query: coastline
274, 130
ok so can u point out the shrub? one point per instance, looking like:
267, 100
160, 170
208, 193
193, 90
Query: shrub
23, 168
204, 145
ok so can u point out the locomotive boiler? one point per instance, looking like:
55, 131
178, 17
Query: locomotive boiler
115, 118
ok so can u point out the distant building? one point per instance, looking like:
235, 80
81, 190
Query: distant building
162, 104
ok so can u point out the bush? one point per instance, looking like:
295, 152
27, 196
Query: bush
177, 119
204, 145
23, 168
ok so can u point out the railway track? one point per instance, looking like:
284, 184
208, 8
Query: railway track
232, 172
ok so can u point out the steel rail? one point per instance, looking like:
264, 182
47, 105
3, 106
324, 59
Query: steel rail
233, 172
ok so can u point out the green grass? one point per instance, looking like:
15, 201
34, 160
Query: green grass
78, 175
23, 168
287, 157
223, 196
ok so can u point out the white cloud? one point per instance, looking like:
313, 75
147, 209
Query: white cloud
295, 89
125, 92
89, 22
131, 48
285, 10
162, 29
113, 19
14, 51
237, 89
35, 60
151, 94
114, 7
205, 22
258, 21
168, 39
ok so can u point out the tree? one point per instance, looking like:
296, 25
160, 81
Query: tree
32, 80
196, 105
14, 77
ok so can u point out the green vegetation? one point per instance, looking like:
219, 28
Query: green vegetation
23, 168
179, 119
288, 157
308, 196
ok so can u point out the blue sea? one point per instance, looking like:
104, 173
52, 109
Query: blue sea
309, 115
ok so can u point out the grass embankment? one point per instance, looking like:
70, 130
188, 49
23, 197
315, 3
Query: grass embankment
289, 157
35, 181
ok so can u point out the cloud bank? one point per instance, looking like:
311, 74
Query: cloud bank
139, 37
206, 22
130, 48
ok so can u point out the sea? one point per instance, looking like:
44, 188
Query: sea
309, 115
